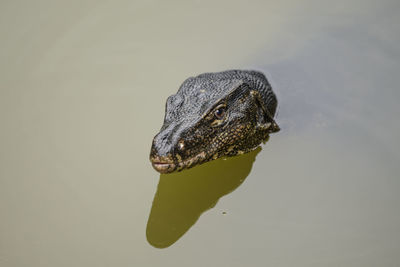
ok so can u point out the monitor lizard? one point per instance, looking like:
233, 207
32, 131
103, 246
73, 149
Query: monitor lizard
214, 115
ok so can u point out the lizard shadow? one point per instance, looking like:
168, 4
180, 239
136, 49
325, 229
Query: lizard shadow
182, 197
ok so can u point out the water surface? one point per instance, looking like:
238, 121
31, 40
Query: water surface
82, 91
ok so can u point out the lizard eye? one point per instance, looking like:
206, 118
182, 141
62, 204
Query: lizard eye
219, 113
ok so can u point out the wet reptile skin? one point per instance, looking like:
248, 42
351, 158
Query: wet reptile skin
214, 115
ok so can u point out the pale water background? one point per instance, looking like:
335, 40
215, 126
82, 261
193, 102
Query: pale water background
82, 92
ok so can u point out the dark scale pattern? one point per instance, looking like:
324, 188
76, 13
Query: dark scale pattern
214, 115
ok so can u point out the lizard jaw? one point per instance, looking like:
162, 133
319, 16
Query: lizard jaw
162, 164
165, 165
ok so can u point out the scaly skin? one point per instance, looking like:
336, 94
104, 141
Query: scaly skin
214, 115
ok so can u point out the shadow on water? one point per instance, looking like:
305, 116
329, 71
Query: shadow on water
182, 197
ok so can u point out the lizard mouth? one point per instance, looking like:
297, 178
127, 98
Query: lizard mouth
166, 165
163, 167
162, 164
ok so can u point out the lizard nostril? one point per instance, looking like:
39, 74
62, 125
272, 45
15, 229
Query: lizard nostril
181, 145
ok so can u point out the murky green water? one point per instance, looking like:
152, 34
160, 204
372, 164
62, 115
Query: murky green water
82, 92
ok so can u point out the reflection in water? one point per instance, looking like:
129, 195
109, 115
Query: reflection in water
182, 197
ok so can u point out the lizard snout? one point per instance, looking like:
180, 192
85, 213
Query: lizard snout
161, 154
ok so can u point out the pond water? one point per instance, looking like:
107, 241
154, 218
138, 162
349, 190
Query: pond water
83, 86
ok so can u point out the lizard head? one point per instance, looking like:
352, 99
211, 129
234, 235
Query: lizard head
207, 119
